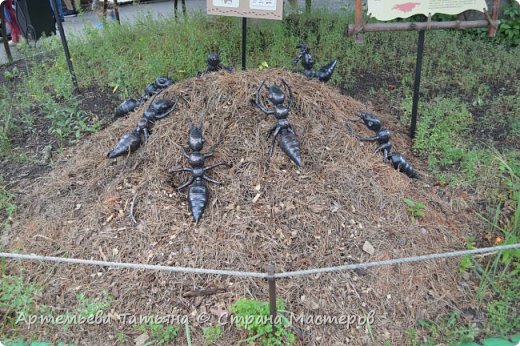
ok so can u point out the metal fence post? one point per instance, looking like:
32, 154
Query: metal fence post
272, 294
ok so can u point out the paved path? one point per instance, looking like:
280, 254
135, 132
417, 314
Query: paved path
130, 12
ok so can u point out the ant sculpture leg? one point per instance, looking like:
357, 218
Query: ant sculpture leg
204, 176
259, 102
291, 97
276, 133
174, 106
186, 183
382, 136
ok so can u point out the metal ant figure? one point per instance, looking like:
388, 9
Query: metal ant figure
323, 74
153, 88
214, 65
156, 86
198, 192
130, 142
382, 138
288, 140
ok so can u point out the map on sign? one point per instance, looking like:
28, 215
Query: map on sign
264, 9
391, 9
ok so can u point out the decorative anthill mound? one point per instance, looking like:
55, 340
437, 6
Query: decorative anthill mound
266, 212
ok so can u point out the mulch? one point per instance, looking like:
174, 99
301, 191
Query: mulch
267, 211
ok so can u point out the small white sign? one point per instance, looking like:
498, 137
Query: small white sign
267, 5
227, 3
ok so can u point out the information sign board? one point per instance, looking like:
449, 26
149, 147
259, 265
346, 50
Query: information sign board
264, 9
391, 9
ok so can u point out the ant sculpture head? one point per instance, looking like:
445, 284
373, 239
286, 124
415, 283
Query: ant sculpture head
213, 60
305, 55
275, 95
195, 140
370, 121
163, 82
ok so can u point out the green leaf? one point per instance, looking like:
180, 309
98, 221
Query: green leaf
409, 202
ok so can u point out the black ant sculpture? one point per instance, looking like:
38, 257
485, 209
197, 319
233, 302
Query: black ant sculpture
130, 142
288, 140
198, 192
153, 88
214, 65
382, 138
305, 56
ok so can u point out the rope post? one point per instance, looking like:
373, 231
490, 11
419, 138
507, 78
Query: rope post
4, 35
272, 294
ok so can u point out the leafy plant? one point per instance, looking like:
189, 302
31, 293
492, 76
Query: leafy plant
90, 307
159, 333
466, 261
509, 29
253, 316
415, 209
212, 334
16, 298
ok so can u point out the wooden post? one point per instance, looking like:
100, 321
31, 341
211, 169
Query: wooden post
358, 21
492, 29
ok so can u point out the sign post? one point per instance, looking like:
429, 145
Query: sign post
386, 10
262, 9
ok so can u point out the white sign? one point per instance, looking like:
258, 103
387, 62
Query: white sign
391, 9
263, 9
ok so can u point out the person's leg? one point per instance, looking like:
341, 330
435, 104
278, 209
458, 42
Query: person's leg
58, 8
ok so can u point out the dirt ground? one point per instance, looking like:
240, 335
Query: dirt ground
267, 211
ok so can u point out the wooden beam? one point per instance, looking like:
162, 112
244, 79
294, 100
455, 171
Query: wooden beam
417, 26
